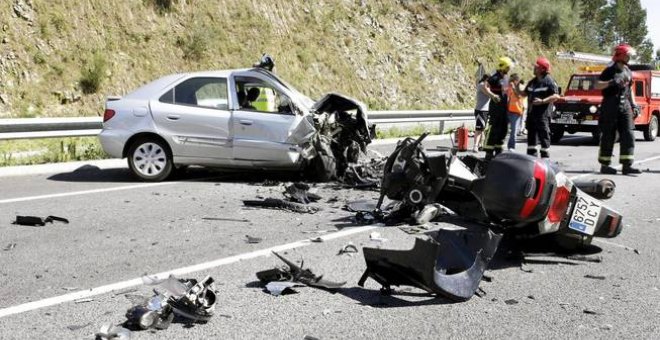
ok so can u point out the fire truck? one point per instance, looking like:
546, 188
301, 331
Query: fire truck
578, 110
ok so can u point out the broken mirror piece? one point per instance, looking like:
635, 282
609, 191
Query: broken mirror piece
450, 264
35, 221
276, 203
294, 273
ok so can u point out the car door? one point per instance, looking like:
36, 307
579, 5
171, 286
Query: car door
262, 125
194, 117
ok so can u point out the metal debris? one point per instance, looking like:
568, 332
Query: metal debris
295, 273
276, 203
35, 221
9, 247
300, 192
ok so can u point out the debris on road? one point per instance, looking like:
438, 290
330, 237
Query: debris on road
349, 249
591, 312
278, 288
300, 193
253, 240
511, 302
450, 264
83, 300
295, 273
34, 221
595, 277
276, 203
585, 258
111, 332
9, 247
317, 239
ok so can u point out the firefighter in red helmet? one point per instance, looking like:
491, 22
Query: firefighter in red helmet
541, 92
617, 112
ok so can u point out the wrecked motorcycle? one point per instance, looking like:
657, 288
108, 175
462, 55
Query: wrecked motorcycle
513, 193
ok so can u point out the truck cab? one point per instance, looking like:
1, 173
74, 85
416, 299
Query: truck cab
579, 109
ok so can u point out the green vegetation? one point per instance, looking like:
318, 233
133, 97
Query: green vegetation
39, 151
93, 74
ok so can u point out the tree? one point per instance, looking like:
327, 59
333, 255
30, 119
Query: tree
624, 21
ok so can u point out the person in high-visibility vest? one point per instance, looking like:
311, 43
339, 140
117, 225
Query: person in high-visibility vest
497, 119
264, 99
617, 112
515, 109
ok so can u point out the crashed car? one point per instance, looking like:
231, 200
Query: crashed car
512, 194
233, 119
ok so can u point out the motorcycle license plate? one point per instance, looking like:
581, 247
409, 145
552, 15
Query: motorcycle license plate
585, 214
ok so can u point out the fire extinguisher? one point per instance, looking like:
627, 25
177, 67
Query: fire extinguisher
462, 138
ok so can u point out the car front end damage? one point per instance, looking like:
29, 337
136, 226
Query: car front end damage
333, 136
514, 195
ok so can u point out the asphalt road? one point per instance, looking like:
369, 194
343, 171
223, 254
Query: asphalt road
63, 281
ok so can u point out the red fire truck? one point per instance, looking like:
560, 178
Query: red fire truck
578, 110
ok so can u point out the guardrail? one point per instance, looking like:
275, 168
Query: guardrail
27, 128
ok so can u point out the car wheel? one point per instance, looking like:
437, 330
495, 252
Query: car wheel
651, 131
556, 135
150, 159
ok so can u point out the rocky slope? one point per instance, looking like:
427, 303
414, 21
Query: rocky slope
389, 54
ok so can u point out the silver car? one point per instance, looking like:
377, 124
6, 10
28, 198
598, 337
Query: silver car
235, 119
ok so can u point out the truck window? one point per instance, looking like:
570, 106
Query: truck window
582, 82
639, 89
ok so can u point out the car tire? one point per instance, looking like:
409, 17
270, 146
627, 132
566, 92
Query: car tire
150, 159
556, 135
651, 130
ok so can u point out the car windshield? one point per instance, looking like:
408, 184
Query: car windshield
583, 83
308, 102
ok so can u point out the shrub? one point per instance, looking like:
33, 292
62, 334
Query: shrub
93, 74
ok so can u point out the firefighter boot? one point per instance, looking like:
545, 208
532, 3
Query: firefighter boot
607, 170
629, 170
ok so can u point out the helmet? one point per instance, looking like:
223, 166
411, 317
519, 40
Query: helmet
504, 63
265, 62
543, 64
621, 51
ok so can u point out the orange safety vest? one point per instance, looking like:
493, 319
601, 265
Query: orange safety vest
515, 102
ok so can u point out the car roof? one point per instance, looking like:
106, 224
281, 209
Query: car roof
157, 86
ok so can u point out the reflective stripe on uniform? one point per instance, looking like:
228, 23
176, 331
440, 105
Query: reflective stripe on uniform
544, 149
531, 147
606, 159
627, 157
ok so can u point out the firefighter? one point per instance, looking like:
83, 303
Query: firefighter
617, 112
498, 120
541, 92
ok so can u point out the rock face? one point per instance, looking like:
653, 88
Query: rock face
389, 54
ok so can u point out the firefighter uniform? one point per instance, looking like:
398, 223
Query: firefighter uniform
498, 120
538, 116
616, 115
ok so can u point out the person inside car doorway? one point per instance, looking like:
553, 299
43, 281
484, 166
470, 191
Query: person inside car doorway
541, 92
617, 112
497, 108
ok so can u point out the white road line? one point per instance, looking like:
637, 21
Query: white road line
84, 192
26, 307
617, 167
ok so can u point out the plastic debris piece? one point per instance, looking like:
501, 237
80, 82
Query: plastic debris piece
171, 284
9, 247
253, 240
591, 312
317, 239
278, 288
300, 192
111, 332
511, 302
349, 249
35, 221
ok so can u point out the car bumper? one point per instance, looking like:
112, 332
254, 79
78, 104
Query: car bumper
113, 141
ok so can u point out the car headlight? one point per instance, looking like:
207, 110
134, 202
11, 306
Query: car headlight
593, 109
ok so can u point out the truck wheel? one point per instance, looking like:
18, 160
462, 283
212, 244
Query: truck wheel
651, 131
556, 134
150, 159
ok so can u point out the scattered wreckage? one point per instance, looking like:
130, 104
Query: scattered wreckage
512, 194
234, 119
